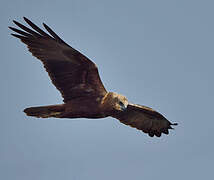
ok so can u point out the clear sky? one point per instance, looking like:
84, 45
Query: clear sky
157, 53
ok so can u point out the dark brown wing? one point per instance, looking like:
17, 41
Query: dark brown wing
73, 74
145, 119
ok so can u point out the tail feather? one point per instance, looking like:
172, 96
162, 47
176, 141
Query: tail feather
45, 111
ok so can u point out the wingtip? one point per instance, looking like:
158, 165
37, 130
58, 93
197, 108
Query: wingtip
172, 124
12, 28
26, 19
15, 35
16, 22
45, 25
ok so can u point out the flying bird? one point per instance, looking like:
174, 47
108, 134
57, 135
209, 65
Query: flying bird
78, 80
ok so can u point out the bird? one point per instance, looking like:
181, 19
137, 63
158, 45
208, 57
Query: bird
77, 78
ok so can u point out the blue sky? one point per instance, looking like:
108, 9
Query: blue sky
156, 53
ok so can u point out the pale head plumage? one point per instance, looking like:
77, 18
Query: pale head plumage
113, 101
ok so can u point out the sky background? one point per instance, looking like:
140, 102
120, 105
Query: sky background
157, 53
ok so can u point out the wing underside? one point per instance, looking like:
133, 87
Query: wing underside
145, 119
73, 74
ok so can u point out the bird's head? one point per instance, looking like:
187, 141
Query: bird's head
115, 101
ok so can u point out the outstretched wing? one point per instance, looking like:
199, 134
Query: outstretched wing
145, 119
73, 74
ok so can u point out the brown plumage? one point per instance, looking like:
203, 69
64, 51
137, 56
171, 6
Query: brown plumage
77, 78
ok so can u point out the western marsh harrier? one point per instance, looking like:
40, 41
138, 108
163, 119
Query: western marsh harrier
77, 79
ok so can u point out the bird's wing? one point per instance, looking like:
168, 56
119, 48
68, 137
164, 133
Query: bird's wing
145, 119
73, 74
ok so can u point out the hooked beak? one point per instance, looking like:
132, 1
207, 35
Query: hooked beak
123, 107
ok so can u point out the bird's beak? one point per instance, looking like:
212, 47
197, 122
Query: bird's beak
123, 107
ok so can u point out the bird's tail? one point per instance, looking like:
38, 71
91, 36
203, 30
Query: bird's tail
45, 111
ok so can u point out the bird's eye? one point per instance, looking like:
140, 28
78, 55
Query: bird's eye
121, 103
